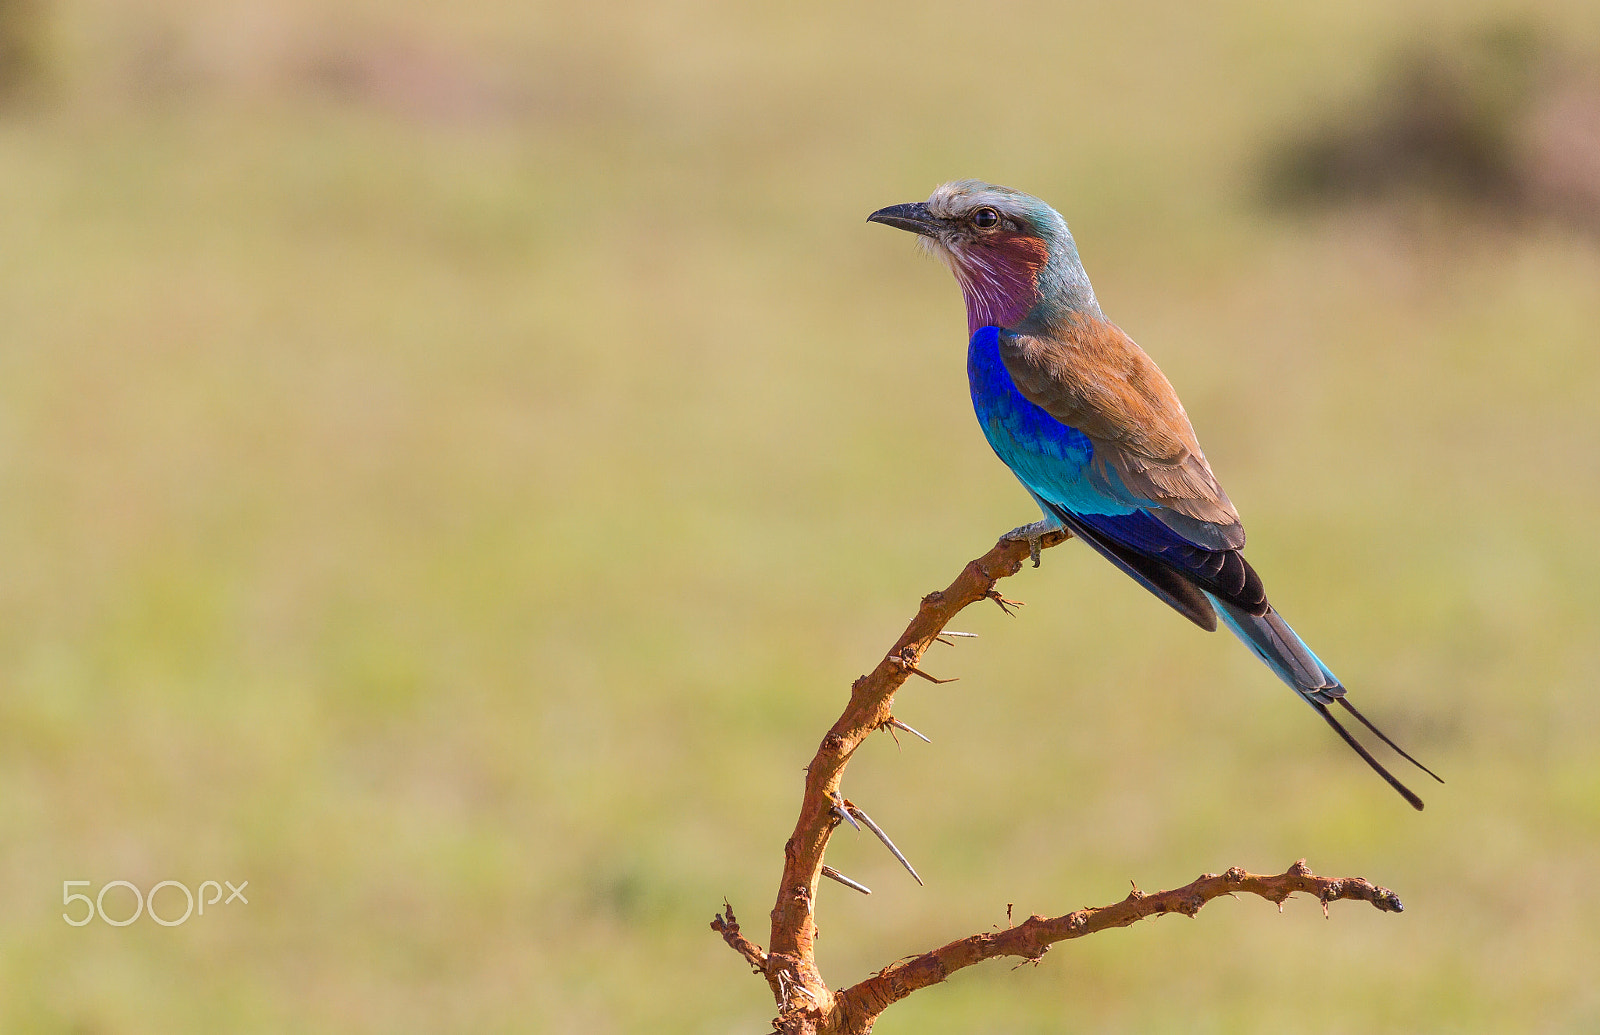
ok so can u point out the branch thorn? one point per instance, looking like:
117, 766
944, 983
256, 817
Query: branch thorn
833, 874
853, 807
905, 659
1035, 960
1005, 605
896, 724
844, 813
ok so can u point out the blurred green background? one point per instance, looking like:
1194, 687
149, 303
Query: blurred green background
454, 459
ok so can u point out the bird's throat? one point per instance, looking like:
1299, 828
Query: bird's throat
999, 281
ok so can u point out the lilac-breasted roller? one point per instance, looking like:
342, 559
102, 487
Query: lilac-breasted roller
1096, 434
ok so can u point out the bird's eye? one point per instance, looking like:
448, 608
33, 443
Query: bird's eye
985, 219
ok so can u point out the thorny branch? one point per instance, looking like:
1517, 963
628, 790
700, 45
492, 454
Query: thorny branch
858, 1005
806, 1005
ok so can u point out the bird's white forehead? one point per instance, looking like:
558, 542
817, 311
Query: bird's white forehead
959, 197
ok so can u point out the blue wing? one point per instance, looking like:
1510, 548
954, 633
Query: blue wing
1055, 463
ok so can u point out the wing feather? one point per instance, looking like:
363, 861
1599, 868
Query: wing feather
1091, 376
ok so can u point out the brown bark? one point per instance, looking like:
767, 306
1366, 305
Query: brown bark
1032, 938
806, 1005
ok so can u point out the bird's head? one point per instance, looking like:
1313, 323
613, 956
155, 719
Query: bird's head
1012, 254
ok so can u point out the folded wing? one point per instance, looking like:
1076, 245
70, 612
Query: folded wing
1091, 376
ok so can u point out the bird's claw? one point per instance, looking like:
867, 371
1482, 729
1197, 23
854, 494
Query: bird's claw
1032, 535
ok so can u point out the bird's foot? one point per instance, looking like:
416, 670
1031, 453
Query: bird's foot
1030, 534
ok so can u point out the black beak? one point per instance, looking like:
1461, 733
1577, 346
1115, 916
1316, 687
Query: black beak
914, 217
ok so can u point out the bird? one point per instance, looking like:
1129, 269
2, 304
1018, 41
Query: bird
1096, 434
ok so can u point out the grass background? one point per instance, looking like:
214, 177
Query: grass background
453, 461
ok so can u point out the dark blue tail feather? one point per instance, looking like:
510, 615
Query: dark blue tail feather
1270, 637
